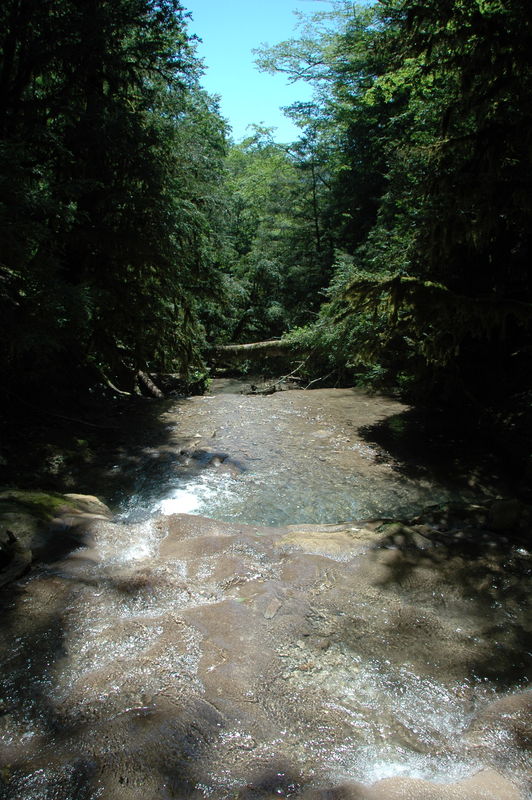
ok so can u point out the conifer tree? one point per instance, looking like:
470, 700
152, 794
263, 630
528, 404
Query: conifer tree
110, 158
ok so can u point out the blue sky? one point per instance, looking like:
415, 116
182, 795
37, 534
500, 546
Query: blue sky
230, 30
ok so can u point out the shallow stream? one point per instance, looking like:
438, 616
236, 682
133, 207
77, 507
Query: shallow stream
176, 656
288, 458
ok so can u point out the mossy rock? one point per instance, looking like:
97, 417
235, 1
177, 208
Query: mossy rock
43, 505
88, 504
25, 514
41, 525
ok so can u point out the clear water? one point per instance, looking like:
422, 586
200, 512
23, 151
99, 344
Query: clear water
291, 458
177, 663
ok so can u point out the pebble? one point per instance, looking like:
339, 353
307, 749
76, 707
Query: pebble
272, 608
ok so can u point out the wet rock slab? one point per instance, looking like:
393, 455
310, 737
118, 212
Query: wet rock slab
188, 658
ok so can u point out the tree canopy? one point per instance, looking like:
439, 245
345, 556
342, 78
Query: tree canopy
424, 109
110, 161
392, 239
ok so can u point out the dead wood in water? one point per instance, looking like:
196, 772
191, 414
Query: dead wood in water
273, 387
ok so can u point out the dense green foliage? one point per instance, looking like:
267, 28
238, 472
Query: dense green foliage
276, 254
110, 157
425, 109
391, 242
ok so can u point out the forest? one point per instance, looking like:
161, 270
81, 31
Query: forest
211, 589
390, 244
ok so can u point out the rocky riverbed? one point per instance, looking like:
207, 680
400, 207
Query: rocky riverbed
189, 658
151, 654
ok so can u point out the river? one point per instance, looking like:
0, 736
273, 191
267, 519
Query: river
292, 457
241, 629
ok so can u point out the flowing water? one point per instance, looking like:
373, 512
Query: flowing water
294, 457
176, 656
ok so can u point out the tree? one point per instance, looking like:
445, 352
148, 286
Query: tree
463, 301
275, 246
424, 108
111, 155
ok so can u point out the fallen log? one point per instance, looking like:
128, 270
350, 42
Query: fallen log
271, 347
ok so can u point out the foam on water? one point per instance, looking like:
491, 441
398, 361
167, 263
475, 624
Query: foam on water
117, 544
401, 723
294, 458
197, 497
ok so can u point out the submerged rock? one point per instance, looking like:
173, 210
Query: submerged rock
190, 658
507, 719
485, 785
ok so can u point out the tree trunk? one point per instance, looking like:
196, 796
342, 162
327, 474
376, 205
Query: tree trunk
253, 350
149, 385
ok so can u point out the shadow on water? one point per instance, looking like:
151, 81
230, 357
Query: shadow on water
442, 447
50, 753
276, 780
111, 453
29, 654
57, 541
105, 450
132, 450
476, 573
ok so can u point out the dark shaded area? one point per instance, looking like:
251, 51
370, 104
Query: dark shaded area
449, 449
58, 540
95, 285
99, 447
40, 527
489, 573
131, 447
277, 780
125, 748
